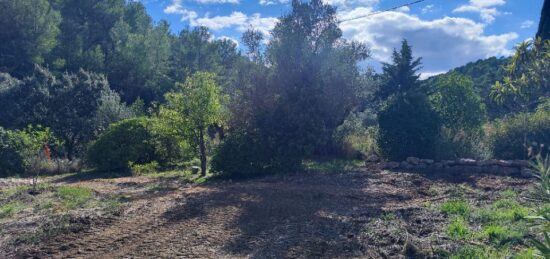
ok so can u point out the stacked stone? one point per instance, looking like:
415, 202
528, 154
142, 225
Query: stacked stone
492, 166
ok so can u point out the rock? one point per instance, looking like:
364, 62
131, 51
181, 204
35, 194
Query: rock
373, 158
427, 161
527, 173
466, 161
489, 162
405, 166
448, 162
195, 169
504, 163
474, 169
389, 165
437, 166
413, 160
520, 163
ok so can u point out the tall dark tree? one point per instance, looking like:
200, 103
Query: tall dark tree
401, 75
314, 76
408, 124
544, 25
29, 30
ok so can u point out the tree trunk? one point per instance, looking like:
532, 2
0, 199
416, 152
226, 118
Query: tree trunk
202, 151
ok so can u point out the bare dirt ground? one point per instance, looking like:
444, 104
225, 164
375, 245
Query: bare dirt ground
360, 214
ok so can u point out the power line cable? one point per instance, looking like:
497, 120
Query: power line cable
382, 11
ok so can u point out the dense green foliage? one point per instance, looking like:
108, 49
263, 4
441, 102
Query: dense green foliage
20, 150
457, 104
462, 114
248, 154
29, 33
72, 105
408, 127
401, 75
191, 111
483, 73
138, 140
514, 136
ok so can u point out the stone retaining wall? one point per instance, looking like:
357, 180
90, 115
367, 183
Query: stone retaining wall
492, 166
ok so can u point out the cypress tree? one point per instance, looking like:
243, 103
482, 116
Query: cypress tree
544, 25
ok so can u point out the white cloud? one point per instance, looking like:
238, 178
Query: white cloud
218, 1
404, 9
272, 2
443, 43
487, 3
177, 8
527, 24
486, 9
428, 9
343, 4
221, 22
238, 20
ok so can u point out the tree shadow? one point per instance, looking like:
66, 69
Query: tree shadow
91, 175
306, 216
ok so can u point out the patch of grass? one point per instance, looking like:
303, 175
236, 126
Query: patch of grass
332, 165
10, 209
183, 175
502, 210
111, 204
458, 229
74, 196
509, 194
501, 235
485, 252
389, 216
456, 207
527, 253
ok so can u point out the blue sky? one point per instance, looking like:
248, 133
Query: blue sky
446, 33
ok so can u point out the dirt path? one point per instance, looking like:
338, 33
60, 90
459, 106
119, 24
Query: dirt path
306, 216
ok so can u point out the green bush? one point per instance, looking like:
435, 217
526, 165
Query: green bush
138, 140
246, 154
143, 169
408, 126
21, 150
506, 136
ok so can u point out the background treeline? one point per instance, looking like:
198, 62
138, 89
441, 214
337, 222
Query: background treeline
100, 82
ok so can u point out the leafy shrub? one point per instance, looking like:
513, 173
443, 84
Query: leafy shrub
452, 145
246, 154
357, 141
408, 127
506, 136
21, 150
138, 140
143, 169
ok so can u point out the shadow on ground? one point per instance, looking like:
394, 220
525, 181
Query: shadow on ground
319, 216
